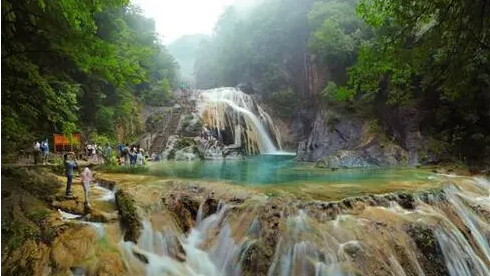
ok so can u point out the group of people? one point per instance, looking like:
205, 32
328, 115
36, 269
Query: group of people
70, 165
130, 155
41, 151
95, 151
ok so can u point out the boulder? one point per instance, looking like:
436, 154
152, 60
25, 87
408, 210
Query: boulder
169, 151
349, 142
73, 246
128, 215
190, 125
210, 148
189, 153
181, 148
330, 133
246, 87
345, 159
373, 156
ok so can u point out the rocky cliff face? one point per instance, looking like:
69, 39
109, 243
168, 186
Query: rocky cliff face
339, 141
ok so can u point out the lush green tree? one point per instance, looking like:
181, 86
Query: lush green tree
436, 53
336, 34
71, 65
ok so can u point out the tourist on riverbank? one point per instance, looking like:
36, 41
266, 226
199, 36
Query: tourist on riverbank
69, 166
139, 157
86, 178
108, 154
126, 154
132, 156
88, 150
45, 151
36, 151
120, 149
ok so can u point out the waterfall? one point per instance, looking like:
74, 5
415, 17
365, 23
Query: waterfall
225, 108
435, 233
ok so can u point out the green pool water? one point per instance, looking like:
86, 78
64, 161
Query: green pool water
279, 169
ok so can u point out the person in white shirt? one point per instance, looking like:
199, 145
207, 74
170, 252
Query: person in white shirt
37, 151
86, 178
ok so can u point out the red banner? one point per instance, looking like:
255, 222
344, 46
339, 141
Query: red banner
62, 140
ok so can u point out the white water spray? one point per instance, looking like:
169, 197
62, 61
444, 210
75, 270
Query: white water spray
212, 104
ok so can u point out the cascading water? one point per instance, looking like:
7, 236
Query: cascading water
232, 111
440, 233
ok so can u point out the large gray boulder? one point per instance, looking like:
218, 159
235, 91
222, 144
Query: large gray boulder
373, 156
337, 141
330, 133
190, 125
188, 153
181, 149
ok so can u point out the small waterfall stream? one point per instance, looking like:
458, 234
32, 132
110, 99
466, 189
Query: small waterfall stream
225, 108
445, 233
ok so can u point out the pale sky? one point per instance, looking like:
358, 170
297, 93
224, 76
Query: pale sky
175, 18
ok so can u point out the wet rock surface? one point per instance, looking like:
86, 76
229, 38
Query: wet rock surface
336, 141
244, 232
430, 253
129, 217
185, 208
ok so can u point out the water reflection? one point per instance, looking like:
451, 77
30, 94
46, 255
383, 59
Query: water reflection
277, 169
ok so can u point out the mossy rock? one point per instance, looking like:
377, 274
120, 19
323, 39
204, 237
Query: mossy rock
431, 258
129, 218
183, 142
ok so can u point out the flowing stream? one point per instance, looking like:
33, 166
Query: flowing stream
440, 232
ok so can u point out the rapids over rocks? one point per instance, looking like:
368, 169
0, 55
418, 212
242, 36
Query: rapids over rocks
192, 228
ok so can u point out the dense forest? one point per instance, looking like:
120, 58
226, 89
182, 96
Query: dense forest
79, 66
90, 67
370, 57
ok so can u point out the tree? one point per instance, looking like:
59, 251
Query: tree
437, 51
72, 65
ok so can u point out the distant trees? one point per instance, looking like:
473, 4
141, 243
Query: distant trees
260, 43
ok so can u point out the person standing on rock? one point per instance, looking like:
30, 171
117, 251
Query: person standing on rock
86, 178
69, 166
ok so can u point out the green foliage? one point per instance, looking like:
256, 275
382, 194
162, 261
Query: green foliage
69, 65
102, 140
160, 95
104, 120
341, 94
420, 51
336, 35
283, 101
